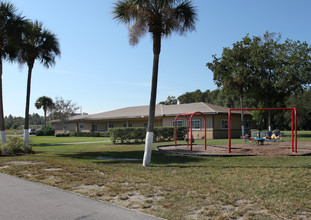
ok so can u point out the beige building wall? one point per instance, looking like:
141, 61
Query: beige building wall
214, 125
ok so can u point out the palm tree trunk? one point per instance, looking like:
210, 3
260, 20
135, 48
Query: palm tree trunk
44, 109
2, 128
26, 126
153, 96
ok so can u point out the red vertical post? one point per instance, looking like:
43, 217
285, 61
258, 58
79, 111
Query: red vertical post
187, 131
295, 130
176, 131
229, 131
292, 130
204, 130
191, 132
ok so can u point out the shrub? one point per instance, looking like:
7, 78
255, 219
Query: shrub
138, 134
62, 135
127, 134
15, 145
46, 131
89, 134
181, 133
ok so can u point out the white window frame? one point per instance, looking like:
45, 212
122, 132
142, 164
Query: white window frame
81, 126
221, 124
177, 123
195, 120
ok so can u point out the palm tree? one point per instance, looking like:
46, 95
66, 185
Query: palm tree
11, 26
38, 44
160, 18
45, 103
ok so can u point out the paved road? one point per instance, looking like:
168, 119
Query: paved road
21, 199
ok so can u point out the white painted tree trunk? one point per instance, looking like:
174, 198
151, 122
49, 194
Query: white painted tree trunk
3, 138
148, 149
242, 128
26, 137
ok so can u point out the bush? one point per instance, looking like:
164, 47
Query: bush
90, 134
62, 135
15, 145
127, 134
138, 134
46, 131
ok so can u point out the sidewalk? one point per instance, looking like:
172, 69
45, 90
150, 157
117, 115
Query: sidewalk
22, 199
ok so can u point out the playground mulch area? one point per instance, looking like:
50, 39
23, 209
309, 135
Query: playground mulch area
243, 149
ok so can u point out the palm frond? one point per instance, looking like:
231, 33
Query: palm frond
186, 16
158, 16
39, 43
125, 11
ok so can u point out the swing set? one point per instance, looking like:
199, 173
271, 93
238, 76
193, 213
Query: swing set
294, 114
191, 138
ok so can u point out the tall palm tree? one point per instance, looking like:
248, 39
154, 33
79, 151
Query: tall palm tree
45, 103
160, 18
11, 26
38, 44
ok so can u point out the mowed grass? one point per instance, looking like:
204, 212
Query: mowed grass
174, 187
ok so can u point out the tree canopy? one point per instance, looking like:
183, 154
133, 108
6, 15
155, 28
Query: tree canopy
63, 109
265, 69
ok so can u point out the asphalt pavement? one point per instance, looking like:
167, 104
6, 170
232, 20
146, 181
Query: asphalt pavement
24, 200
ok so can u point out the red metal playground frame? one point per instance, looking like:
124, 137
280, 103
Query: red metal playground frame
186, 116
294, 112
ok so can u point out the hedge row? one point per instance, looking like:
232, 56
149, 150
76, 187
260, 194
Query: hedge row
90, 134
84, 134
138, 134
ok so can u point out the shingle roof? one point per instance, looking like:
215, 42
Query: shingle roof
161, 110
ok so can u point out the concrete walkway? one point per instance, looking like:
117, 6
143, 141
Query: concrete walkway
22, 199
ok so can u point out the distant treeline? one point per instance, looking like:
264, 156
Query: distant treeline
12, 122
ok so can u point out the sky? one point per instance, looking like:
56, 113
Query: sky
99, 71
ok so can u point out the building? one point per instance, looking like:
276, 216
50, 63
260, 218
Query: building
216, 119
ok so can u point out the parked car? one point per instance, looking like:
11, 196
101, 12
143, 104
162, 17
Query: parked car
32, 131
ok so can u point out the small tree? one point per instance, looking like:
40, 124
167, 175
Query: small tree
62, 110
45, 103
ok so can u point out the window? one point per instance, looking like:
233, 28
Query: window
247, 124
94, 128
145, 124
131, 124
178, 123
125, 124
111, 125
196, 124
224, 124
81, 126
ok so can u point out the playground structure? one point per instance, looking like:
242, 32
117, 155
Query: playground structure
293, 118
191, 138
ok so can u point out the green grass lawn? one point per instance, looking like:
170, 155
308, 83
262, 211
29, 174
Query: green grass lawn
174, 187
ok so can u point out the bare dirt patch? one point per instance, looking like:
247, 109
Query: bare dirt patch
53, 169
243, 149
24, 162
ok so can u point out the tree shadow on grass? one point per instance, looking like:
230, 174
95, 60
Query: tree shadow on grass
120, 157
